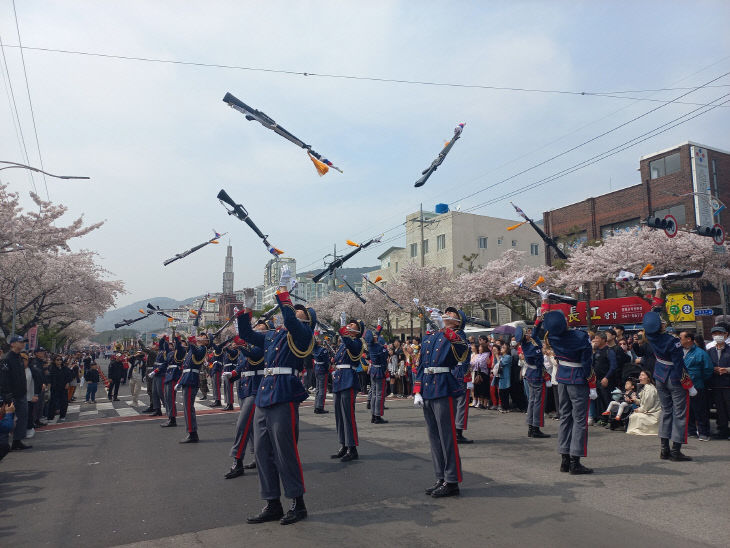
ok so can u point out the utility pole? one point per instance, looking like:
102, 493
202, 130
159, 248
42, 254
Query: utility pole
423, 257
422, 221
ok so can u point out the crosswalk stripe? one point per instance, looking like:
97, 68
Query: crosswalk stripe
87, 413
127, 412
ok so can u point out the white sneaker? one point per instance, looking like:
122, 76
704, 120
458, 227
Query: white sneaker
701, 438
591, 422
30, 433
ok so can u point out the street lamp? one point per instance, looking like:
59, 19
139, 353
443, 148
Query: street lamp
16, 165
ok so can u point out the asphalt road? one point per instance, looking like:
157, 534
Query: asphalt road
130, 482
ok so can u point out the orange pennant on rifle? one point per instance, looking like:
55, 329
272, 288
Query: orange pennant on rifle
321, 167
538, 282
353, 244
377, 279
518, 225
648, 268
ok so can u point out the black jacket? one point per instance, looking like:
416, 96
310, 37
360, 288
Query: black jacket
92, 375
15, 376
116, 370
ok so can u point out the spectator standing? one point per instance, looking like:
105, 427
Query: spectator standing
517, 389
604, 365
18, 389
645, 357
116, 371
7, 419
505, 380
33, 389
699, 367
39, 364
720, 381
59, 389
91, 376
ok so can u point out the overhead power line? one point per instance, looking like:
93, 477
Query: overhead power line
621, 94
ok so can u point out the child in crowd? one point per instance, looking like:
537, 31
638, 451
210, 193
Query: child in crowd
629, 400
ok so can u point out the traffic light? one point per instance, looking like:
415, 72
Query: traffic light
660, 222
715, 232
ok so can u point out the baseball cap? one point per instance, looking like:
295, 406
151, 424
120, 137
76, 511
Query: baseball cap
718, 329
17, 338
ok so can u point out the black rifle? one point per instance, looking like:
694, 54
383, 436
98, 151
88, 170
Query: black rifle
391, 299
339, 262
362, 299
240, 212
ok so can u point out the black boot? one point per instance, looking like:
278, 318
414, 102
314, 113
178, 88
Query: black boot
379, 420
236, 470
576, 468
271, 512
204, 397
192, 437
250, 466
529, 430
216, 403
536, 433
446, 490
565, 463
318, 411
156, 413
664, 453
676, 454
351, 454
169, 423
368, 403
296, 512
434, 487
460, 437
150, 409
340, 453
228, 407
18, 445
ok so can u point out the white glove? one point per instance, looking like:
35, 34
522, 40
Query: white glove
469, 385
285, 278
249, 298
227, 374
692, 392
292, 284
343, 319
152, 373
593, 394
437, 319
418, 400
543, 294
176, 387
548, 383
658, 284
380, 322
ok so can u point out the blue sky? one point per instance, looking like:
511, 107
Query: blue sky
159, 143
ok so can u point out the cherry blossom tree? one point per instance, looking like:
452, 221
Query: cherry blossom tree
632, 250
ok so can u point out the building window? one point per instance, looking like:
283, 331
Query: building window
396, 267
678, 212
414, 250
440, 242
664, 166
483, 242
500, 240
490, 314
514, 243
534, 249
425, 246
617, 228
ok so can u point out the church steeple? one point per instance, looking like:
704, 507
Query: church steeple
228, 272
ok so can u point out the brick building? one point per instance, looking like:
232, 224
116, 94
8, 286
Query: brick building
681, 181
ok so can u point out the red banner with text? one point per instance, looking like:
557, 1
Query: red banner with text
606, 311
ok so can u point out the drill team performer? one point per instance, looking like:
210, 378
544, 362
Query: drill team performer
175, 359
158, 376
378, 368
576, 384
230, 362
190, 379
464, 377
346, 385
276, 419
535, 377
216, 372
250, 370
436, 390
672, 383
322, 359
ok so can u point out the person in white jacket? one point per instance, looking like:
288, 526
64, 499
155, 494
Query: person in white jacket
644, 421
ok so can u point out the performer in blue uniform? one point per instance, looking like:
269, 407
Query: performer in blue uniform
322, 360
464, 377
158, 377
250, 371
673, 384
576, 384
436, 390
190, 381
230, 362
378, 353
175, 359
346, 385
216, 374
535, 377
276, 419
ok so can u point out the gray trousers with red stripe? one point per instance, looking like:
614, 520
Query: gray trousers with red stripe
674, 400
536, 403
276, 433
170, 405
188, 394
573, 429
462, 408
441, 427
244, 427
345, 422
321, 395
377, 396
227, 391
216, 381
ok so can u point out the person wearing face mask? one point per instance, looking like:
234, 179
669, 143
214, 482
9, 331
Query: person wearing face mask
699, 368
720, 380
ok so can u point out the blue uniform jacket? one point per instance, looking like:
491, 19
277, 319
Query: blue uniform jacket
193, 363
438, 351
218, 358
174, 362
250, 358
573, 346
532, 350
349, 353
322, 360
462, 368
378, 354
667, 349
288, 347
161, 359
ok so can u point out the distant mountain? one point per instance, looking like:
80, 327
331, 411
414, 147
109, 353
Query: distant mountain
153, 323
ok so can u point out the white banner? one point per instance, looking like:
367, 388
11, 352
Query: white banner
701, 186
